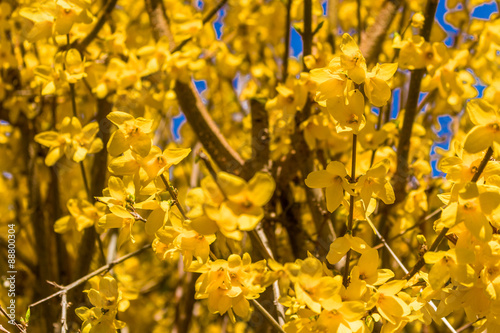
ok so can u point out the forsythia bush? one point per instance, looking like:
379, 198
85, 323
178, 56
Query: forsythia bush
178, 166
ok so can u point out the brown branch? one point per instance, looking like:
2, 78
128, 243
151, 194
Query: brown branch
226, 158
411, 112
267, 315
301, 159
185, 299
264, 243
64, 312
19, 326
81, 46
372, 39
87, 245
159, 21
174, 196
307, 36
286, 55
260, 140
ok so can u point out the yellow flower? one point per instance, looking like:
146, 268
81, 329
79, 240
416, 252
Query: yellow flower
242, 207
291, 96
389, 305
415, 53
367, 269
331, 82
311, 286
316, 129
334, 179
352, 61
108, 296
72, 141
160, 211
342, 245
454, 263
374, 183
486, 133
157, 162
132, 134
107, 301
82, 215
476, 206
69, 68
348, 110
150, 166
228, 285
376, 88
418, 20
345, 317
55, 17
97, 317
120, 202
183, 237
461, 168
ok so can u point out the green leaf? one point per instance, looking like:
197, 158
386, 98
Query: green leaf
318, 27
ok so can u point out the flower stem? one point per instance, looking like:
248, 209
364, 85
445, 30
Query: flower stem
174, 196
351, 210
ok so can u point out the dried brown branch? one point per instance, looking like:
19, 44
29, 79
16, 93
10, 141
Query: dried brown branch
18, 325
87, 277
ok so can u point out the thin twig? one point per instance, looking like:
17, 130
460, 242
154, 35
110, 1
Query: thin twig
428, 98
391, 252
403, 267
419, 223
174, 196
276, 289
206, 19
351, 210
19, 326
64, 312
87, 277
267, 315
2, 329
210, 168
464, 327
